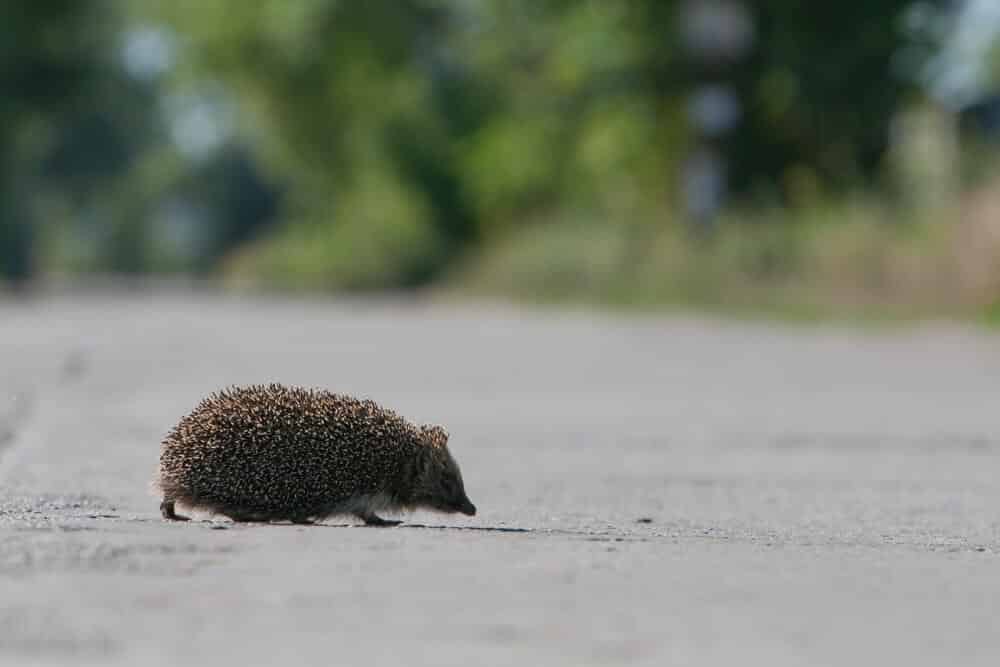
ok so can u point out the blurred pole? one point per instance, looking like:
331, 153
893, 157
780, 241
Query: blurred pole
716, 36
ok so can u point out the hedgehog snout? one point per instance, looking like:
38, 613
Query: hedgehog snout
467, 507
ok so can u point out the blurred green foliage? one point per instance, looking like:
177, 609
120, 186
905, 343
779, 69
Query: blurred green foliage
822, 87
537, 144
49, 54
87, 166
462, 120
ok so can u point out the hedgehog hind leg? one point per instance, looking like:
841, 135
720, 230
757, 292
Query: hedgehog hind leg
372, 519
168, 511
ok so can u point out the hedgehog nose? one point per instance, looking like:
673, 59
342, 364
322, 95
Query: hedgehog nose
468, 508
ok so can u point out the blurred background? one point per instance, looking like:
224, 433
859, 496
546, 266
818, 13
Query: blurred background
790, 158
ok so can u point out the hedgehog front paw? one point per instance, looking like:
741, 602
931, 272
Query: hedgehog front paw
374, 520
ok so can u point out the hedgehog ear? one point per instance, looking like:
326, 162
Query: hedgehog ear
436, 435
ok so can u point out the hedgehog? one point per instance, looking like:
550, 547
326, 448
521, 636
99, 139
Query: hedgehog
276, 453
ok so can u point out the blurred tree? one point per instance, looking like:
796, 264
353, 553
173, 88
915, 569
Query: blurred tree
463, 120
339, 102
820, 89
51, 52
466, 115
93, 176
444, 124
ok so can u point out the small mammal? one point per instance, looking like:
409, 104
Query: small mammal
277, 453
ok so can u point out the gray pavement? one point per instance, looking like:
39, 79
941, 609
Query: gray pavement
651, 491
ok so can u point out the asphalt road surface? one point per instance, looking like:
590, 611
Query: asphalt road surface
657, 490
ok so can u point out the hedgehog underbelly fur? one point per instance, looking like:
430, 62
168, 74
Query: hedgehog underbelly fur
270, 453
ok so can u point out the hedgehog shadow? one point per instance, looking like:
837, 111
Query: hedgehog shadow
566, 532
485, 529
424, 526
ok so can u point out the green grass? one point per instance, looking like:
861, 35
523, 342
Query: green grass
858, 261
